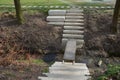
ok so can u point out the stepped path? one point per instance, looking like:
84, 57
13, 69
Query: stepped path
72, 38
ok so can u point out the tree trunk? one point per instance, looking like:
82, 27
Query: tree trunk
115, 17
18, 11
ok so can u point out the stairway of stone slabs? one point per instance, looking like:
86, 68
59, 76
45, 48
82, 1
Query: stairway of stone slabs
72, 38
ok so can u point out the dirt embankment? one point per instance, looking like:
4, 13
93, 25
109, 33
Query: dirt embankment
33, 39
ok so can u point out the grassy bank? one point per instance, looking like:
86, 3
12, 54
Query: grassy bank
33, 2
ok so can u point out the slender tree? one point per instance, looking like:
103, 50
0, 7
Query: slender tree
18, 11
115, 17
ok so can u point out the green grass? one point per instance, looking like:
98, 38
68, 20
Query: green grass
50, 2
34, 2
88, 3
112, 71
92, 4
33, 61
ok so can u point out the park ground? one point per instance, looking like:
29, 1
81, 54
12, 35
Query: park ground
56, 2
27, 50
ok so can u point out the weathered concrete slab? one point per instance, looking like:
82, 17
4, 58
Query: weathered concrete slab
73, 27
68, 64
68, 72
80, 42
57, 12
74, 11
73, 24
73, 36
56, 23
71, 76
74, 17
74, 20
56, 18
74, 14
45, 78
80, 68
71, 67
70, 50
73, 31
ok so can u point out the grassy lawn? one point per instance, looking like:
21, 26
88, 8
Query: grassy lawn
51, 2
34, 2
88, 3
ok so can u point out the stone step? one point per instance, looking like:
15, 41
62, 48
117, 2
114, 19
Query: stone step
79, 72
73, 31
56, 18
47, 78
66, 23
74, 20
74, 17
73, 36
73, 27
62, 78
56, 23
57, 12
73, 24
79, 41
71, 77
74, 14
87, 74
64, 67
68, 64
70, 50
74, 11
83, 68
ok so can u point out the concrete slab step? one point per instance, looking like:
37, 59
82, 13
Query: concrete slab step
79, 72
70, 50
65, 23
57, 12
73, 27
70, 74
56, 23
73, 31
74, 20
73, 36
63, 76
74, 11
47, 78
74, 17
73, 24
68, 64
80, 42
56, 18
74, 14
69, 68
